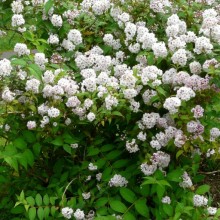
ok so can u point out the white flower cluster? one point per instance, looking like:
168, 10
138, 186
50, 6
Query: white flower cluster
118, 181
172, 104
187, 182
166, 200
31, 125
56, 20
17, 20
198, 111
185, 94
17, 7
159, 160
40, 60
212, 210
132, 147
7, 95
214, 134
159, 5
53, 39
67, 212
21, 49
5, 67
199, 201
110, 41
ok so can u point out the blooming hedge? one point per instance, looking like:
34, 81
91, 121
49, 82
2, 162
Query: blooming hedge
109, 109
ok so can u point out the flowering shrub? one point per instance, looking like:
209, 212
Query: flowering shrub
108, 109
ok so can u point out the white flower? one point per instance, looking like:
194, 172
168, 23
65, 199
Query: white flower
67, 212
92, 167
5, 67
31, 125
212, 210
56, 20
21, 49
79, 214
91, 116
17, 20
148, 169
75, 36
166, 200
86, 195
118, 181
53, 112
199, 201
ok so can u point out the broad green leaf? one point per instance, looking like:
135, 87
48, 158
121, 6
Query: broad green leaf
101, 202
128, 216
120, 163
46, 199
118, 206
175, 175
30, 200
203, 189
19, 62
128, 195
168, 209
141, 207
32, 213
46, 212
20, 143
38, 199
67, 148
48, 5
40, 213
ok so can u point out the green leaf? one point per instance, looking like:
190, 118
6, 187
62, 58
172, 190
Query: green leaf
67, 148
117, 113
46, 212
19, 62
114, 154
179, 153
128, 216
30, 200
109, 217
40, 213
53, 210
203, 189
118, 206
128, 195
160, 191
37, 149
20, 143
175, 175
92, 151
46, 199
48, 6
38, 199
101, 202
141, 207
28, 155
29, 136
32, 213
120, 163
58, 141
168, 209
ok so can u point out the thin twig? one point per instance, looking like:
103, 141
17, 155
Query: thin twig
66, 189
212, 172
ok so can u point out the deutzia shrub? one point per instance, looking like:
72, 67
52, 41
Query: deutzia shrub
109, 109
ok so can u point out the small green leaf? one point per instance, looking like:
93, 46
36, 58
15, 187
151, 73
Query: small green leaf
40, 213
46, 199
141, 207
203, 189
168, 209
38, 199
128, 216
127, 194
32, 213
46, 212
30, 200
118, 206
20, 143
101, 202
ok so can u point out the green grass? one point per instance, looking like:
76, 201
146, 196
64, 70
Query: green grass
8, 42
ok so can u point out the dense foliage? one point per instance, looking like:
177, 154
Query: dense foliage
109, 109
